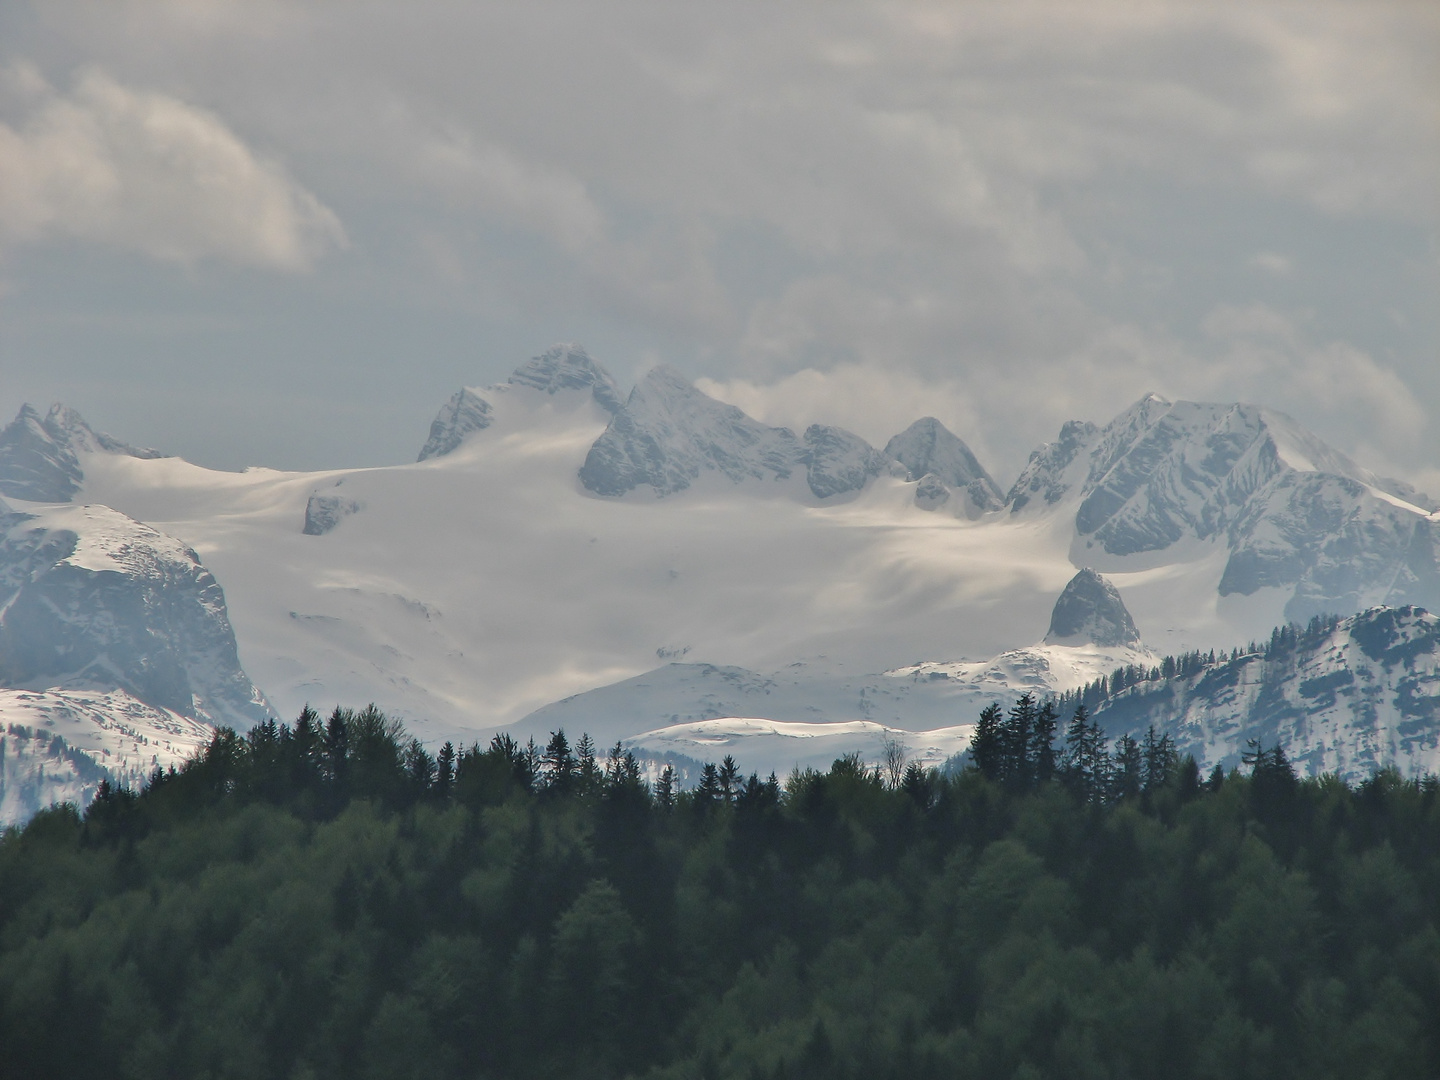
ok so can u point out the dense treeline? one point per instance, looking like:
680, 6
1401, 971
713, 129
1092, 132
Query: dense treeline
1284, 641
326, 899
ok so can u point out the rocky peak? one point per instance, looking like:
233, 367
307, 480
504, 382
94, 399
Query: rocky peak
1047, 475
928, 448
39, 457
1090, 612
839, 461
569, 367
669, 432
91, 599
466, 411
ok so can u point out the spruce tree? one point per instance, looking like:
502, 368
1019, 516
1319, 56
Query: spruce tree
985, 745
560, 764
1017, 767
665, 788
1042, 744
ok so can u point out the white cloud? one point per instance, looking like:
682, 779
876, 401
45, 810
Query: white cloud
147, 172
506, 186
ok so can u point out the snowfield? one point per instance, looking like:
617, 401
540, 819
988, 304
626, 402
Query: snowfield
727, 569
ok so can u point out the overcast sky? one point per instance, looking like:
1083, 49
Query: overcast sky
257, 232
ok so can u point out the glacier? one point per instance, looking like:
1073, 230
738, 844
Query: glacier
557, 537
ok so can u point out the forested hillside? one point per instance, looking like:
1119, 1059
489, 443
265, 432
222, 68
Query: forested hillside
324, 899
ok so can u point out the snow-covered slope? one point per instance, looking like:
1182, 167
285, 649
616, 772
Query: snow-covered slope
670, 434
467, 590
93, 600
1345, 697
1163, 480
527, 557
563, 367
38, 457
931, 452
703, 710
58, 745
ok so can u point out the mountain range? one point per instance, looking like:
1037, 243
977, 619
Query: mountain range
556, 537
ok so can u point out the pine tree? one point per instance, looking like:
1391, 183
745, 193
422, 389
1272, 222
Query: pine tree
709, 790
1017, 766
1129, 768
445, 769
1042, 744
1072, 767
587, 772
985, 746
560, 764
729, 778
665, 788
1160, 760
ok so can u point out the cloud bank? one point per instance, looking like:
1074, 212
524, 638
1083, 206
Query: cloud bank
148, 173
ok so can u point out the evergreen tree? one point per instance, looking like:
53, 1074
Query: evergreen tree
708, 792
445, 769
1160, 760
560, 764
1073, 769
1016, 734
729, 779
1042, 744
665, 788
1129, 768
587, 771
986, 749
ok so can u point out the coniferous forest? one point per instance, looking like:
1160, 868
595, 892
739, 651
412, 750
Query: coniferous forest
326, 899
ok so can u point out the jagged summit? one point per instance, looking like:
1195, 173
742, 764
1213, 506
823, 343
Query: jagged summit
1293, 512
1090, 612
928, 449
568, 366
38, 456
669, 432
565, 366
465, 412
93, 600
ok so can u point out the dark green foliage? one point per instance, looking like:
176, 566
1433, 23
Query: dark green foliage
327, 900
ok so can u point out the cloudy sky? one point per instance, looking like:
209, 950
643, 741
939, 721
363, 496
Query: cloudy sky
258, 232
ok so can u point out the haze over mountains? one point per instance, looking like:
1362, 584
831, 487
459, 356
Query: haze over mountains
557, 536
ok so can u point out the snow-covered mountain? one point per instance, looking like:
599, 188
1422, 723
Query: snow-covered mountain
58, 745
115, 638
1294, 518
555, 538
563, 367
940, 463
40, 457
807, 709
1344, 696
92, 600
669, 434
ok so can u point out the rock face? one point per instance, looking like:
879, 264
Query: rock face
931, 492
57, 746
838, 461
465, 412
38, 456
928, 447
1346, 696
669, 433
94, 600
325, 510
1090, 612
1293, 512
561, 368
569, 367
